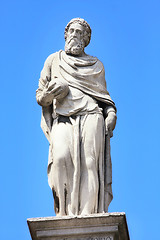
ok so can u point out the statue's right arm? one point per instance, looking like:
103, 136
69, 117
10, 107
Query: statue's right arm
44, 96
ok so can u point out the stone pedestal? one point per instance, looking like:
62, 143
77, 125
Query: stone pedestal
108, 226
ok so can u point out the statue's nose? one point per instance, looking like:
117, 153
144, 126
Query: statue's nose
74, 33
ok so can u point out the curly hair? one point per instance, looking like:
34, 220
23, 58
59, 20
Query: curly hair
87, 29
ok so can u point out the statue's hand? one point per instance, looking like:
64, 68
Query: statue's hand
54, 89
48, 92
110, 123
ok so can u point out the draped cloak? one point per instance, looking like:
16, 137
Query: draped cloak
87, 75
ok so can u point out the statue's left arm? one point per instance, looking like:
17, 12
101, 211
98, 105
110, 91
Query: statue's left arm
110, 120
109, 111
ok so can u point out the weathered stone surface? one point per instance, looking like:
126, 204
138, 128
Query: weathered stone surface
107, 226
78, 119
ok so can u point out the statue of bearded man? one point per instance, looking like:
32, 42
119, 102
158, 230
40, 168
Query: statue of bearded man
78, 117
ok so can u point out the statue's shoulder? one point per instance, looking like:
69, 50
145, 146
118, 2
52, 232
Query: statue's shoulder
90, 57
95, 59
51, 58
99, 61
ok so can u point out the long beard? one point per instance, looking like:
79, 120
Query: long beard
74, 46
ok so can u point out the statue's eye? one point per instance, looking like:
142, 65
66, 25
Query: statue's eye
79, 32
71, 30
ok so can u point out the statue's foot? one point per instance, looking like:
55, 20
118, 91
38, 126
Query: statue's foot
60, 214
86, 212
71, 214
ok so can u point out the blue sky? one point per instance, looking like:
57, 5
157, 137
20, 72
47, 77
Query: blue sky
126, 38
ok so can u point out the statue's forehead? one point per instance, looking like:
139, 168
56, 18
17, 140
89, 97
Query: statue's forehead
76, 26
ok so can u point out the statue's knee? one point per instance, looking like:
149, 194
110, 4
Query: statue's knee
90, 164
59, 160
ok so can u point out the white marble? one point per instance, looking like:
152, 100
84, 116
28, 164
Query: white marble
78, 119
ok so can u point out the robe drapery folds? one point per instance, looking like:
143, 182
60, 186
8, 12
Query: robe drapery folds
87, 75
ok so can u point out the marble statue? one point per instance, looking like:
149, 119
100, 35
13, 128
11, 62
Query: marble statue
78, 117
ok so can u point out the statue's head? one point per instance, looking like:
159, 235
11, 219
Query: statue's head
77, 36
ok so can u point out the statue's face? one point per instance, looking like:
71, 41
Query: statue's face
74, 42
75, 31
